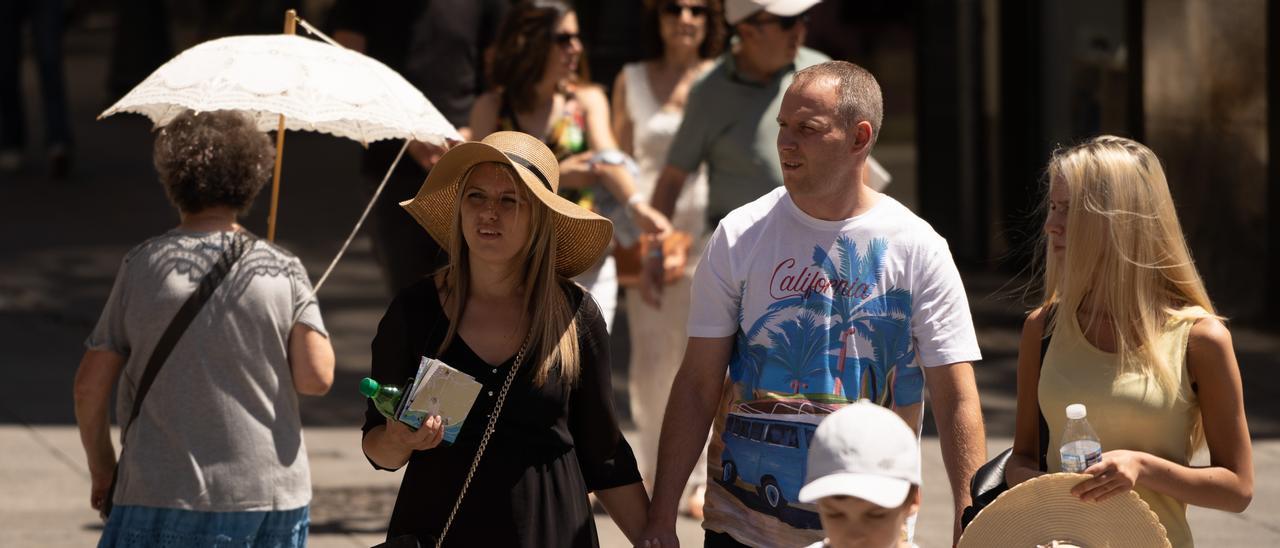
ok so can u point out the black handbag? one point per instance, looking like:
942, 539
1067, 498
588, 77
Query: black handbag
177, 326
988, 481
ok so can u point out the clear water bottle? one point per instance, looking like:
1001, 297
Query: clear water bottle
1080, 445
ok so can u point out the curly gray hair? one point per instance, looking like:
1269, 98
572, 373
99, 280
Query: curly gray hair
213, 159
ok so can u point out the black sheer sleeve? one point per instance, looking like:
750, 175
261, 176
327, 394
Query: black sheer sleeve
604, 455
392, 358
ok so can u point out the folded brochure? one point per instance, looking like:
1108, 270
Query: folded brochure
438, 389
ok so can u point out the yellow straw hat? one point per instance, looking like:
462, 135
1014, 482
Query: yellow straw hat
1042, 511
580, 235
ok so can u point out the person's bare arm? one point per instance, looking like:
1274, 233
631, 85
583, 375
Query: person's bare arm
622, 128
695, 394
628, 505
1227, 483
311, 360
617, 179
667, 190
484, 115
1024, 463
97, 375
953, 393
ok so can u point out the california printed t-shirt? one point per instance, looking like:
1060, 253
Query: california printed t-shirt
823, 313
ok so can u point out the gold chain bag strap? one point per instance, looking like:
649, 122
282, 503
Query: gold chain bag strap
484, 441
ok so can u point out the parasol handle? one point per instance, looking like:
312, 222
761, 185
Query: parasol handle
290, 27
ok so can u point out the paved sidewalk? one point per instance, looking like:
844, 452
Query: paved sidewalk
44, 487
44, 492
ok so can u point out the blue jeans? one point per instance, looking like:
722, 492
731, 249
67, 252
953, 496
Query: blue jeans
145, 527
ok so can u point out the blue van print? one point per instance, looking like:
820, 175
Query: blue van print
767, 454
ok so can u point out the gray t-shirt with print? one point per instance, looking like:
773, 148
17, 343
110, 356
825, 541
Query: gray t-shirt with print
219, 430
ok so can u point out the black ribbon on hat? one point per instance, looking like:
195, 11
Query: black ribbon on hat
529, 166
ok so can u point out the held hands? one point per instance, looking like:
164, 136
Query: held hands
658, 536
1116, 473
427, 437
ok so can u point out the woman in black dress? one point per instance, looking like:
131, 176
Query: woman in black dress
505, 301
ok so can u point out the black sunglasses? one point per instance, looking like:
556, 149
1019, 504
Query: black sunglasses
676, 10
565, 38
785, 23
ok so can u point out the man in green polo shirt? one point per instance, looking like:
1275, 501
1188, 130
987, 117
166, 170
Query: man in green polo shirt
729, 120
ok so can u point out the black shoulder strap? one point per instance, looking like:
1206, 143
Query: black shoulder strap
183, 319
1045, 336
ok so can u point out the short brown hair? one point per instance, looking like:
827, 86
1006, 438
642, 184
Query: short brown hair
857, 91
212, 159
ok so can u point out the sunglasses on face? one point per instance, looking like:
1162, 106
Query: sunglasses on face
785, 23
676, 10
563, 39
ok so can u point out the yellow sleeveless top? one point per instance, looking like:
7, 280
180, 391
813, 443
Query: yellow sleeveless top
1128, 411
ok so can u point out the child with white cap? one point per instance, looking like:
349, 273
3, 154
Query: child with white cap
864, 475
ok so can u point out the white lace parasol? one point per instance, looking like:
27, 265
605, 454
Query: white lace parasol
285, 82
315, 86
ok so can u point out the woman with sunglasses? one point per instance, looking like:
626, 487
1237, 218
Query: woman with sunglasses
683, 37
540, 88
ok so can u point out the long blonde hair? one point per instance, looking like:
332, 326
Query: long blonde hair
1126, 258
553, 326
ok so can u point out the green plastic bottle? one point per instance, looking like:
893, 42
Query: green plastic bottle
386, 397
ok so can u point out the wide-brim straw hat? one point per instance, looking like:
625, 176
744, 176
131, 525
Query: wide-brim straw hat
1042, 510
580, 235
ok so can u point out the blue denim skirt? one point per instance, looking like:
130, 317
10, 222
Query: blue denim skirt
146, 526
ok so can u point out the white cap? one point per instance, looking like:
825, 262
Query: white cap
864, 451
737, 10
1076, 411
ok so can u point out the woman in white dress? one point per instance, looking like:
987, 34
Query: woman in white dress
648, 106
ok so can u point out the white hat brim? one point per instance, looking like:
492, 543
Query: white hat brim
882, 491
789, 8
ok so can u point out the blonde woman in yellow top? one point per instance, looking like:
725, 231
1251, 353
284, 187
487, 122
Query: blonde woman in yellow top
1134, 338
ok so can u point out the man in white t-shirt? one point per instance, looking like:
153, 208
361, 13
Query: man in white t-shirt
814, 296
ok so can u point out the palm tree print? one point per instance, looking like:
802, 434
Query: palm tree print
747, 363
883, 320
800, 351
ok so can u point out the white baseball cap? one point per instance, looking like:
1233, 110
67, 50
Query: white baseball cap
737, 10
865, 451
